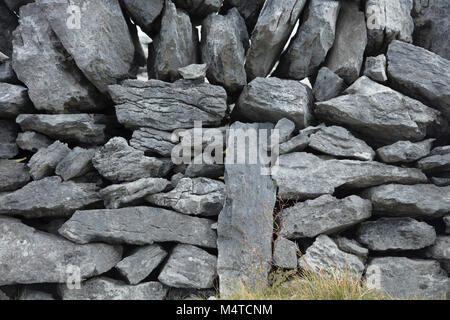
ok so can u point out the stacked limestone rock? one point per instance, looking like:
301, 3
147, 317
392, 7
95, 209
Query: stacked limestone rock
89, 191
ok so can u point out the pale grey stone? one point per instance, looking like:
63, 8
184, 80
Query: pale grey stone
43, 163
421, 74
338, 141
402, 277
285, 253
323, 215
118, 162
141, 262
325, 256
139, 226
321, 176
31, 256
189, 267
405, 151
154, 141
376, 68
353, 247
109, 289
346, 56
270, 35
396, 234
194, 71
198, 196
167, 106
32, 141
212, 171
328, 85
75, 164
49, 197
13, 175
379, 113
117, 195
420, 200
271, 99
144, 13
437, 161
13, 100
223, 47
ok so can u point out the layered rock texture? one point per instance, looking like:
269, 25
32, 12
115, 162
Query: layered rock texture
169, 149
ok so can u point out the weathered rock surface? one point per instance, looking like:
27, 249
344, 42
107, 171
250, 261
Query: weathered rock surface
138, 225
13, 175
75, 164
8, 135
309, 47
141, 262
296, 144
118, 162
319, 176
8, 22
388, 20
407, 278
285, 129
189, 267
223, 47
249, 9
200, 8
338, 141
14, 5
144, 13
154, 141
420, 74
379, 113
323, 215
32, 141
328, 85
118, 195
109, 289
194, 71
396, 234
376, 68
31, 256
104, 57
421, 200
81, 128
43, 163
353, 247
285, 253
13, 100
55, 84
270, 35
346, 56
405, 151
49, 197
271, 99
324, 255
245, 225
430, 26
166, 106
440, 250
437, 161
175, 46
199, 196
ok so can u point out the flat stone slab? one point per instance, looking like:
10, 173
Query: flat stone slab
405, 151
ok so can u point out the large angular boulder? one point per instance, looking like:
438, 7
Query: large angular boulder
43, 163
309, 48
270, 35
154, 141
175, 46
271, 99
104, 57
166, 106
198, 196
41, 63
352, 246
440, 251
31, 256
13, 100
437, 161
80, 128
320, 176
118, 162
420, 74
376, 68
379, 113
405, 151
346, 56
144, 13
245, 225
223, 47
325, 256
49, 197
425, 201
109, 289
13, 175
189, 267
323, 215
139, 226
402, 277
396, 234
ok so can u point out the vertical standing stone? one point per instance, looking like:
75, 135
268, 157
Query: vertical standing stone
245, 225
